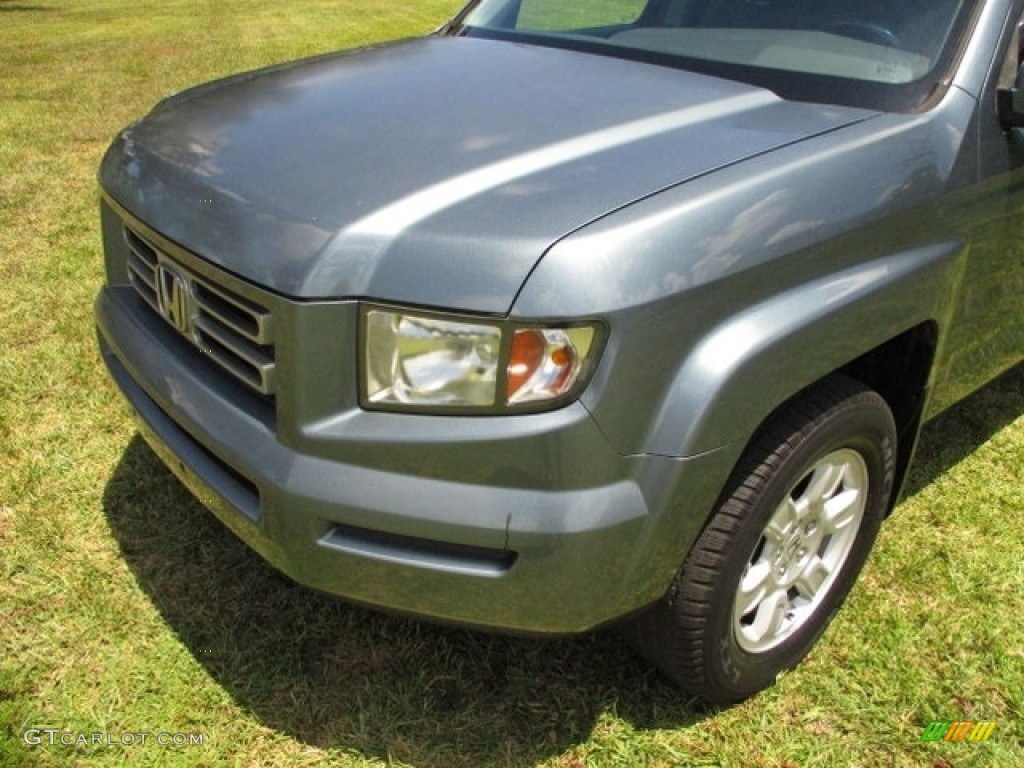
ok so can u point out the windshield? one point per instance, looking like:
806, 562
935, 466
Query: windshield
879, 53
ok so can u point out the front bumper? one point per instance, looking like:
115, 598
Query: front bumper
492, 541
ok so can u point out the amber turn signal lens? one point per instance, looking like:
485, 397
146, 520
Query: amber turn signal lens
545, 363
525, 359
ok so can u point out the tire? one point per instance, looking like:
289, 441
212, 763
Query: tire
779, 555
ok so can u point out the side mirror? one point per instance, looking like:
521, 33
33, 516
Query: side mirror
1010, 93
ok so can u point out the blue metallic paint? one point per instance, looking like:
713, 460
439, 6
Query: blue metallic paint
440, 207
737, 246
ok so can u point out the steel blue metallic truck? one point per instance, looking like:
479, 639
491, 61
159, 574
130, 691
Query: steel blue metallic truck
573, 314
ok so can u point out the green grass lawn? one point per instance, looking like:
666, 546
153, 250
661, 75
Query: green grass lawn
125, 608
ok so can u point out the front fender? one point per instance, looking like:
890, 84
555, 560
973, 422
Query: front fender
729, 294
746, 367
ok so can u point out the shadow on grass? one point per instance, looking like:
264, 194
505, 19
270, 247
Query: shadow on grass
959, 431
337, 676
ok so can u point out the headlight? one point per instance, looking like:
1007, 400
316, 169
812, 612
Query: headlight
429, 362
414, 360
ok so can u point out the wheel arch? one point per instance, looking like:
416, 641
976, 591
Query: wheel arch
900, 371
879, 323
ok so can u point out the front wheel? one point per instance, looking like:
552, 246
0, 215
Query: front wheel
782, 550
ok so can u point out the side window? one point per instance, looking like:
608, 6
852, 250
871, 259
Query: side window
560, 15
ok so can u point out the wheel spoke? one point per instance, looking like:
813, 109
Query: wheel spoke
786, 516
755, 585
814, 575
842, 510
824, 482
771, 615
800, 508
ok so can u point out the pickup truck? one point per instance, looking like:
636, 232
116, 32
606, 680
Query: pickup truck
577, 314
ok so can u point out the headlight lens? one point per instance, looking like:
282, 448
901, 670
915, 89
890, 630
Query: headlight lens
415, 361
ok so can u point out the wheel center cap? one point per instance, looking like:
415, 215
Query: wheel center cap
790, 554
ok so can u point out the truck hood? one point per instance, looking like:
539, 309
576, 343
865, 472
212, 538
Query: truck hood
436, 171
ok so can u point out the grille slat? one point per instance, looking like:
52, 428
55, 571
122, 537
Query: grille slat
142, 261
143, 250
254, 364
143, 273
244, 317
233, 331
145, 283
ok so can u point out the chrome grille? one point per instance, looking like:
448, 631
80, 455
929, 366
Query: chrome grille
232, 330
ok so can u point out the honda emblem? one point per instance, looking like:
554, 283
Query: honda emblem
174, 298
